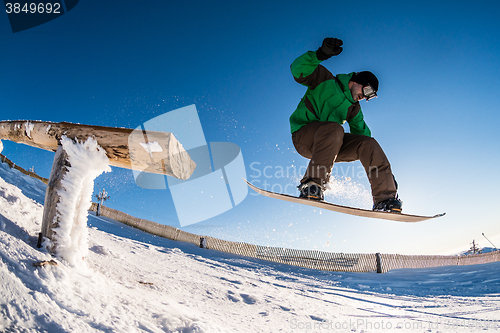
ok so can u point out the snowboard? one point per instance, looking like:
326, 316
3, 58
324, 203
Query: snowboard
149, 151
399, 217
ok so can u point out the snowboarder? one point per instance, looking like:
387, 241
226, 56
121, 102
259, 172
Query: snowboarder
317, 131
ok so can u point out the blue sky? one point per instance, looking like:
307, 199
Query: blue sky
436, 116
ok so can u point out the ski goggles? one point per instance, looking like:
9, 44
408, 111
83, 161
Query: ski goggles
369, 92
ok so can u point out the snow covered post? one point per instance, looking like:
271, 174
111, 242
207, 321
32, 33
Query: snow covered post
69, 195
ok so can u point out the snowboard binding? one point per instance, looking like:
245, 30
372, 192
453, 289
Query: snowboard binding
311, 190
392, 205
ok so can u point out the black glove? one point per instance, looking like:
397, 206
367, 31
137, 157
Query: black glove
331, 47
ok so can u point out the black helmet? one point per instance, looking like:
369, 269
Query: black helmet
366, 78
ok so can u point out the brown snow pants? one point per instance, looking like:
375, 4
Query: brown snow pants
325, 143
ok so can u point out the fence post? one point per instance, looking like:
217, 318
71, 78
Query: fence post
203, 242
379, 262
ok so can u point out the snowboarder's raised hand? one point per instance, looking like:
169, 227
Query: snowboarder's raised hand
331, 47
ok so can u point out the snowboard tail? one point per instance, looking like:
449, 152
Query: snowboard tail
399, 217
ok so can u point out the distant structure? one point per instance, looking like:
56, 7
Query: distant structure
102, 196
474, 249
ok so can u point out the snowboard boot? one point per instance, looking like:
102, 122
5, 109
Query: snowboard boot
392, 205
311, 190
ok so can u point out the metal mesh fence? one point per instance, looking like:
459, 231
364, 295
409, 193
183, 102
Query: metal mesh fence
151, 227
394, 261
340, 262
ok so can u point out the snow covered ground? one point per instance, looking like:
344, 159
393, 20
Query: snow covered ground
135, 282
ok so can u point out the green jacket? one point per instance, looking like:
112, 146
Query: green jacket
327, 98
